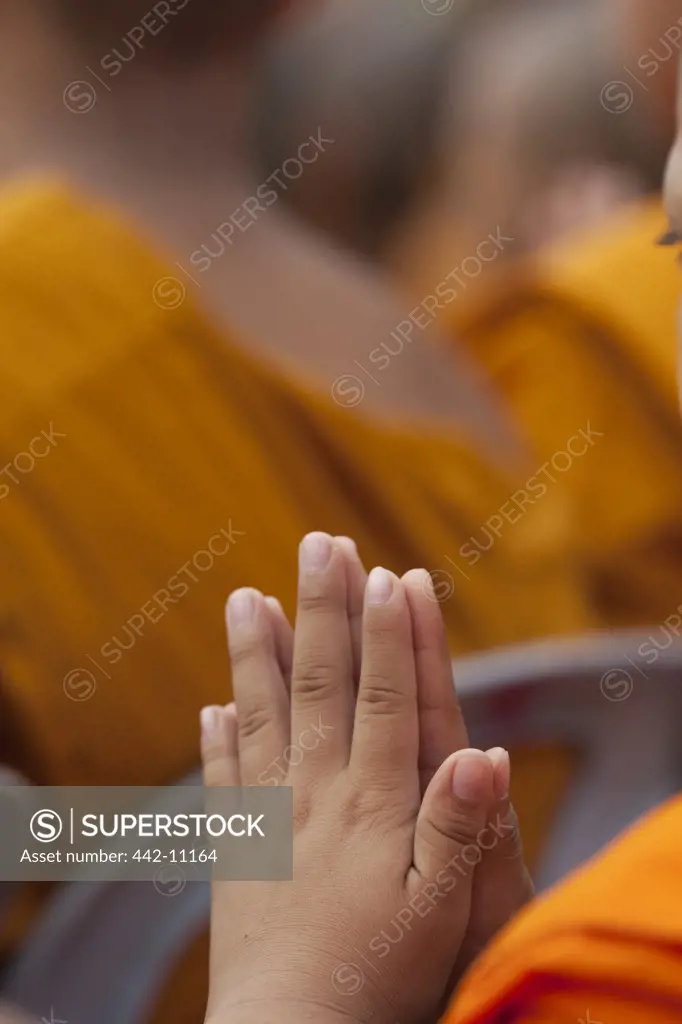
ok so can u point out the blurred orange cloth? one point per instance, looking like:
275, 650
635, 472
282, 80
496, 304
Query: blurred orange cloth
604, 946
171, 467
589, 333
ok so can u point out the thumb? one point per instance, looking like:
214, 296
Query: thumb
502, 884
453, 813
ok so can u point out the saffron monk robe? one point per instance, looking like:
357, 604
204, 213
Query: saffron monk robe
180, 467
155, 455
586, 335
152, 458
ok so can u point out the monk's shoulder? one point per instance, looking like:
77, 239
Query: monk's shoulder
611, 251
85, 302
525, 327
619, 280
602, 303
57, 308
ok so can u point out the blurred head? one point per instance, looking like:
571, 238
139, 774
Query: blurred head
673, 204
647, 36
533, 146
644, 28
372, 74
640, 22
186, 31
448, 126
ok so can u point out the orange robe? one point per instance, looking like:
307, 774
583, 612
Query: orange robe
604, 946
149, 465
590, 334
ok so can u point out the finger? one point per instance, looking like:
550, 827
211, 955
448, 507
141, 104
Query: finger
257, 685
321, 682
219, 746
284, 639
442, 730
451, 820
356, 581
502, 883
386, 734
509, 848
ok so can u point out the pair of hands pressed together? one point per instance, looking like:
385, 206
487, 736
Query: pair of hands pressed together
407, 859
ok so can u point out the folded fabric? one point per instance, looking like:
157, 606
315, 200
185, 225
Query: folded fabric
586, 338
604, 947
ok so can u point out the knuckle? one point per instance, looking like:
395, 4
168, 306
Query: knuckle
370, 809
512, 845
244, 651
379, 694
302, 811
314, 676
458, 828
253, 720
315, 597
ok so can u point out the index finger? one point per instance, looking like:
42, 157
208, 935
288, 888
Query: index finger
321, 682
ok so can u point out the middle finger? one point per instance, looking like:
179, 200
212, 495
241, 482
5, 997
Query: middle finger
321, 683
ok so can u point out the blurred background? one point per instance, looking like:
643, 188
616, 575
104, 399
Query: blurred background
482, 114
487, 187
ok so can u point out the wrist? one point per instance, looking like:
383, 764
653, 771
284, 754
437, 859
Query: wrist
282, 1011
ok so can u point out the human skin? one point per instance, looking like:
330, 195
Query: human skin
406, 741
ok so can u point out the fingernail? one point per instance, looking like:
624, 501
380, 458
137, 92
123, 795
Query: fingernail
211, 722
316, 552
379, 586
347, 544
502, 771
240, 608
274, 604
427, 586
471, 776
